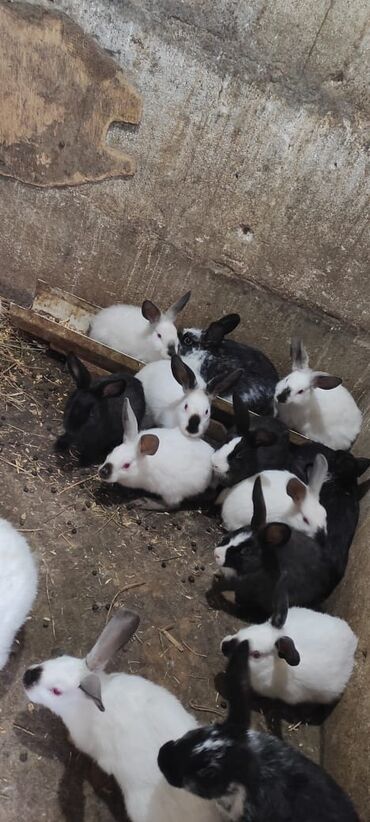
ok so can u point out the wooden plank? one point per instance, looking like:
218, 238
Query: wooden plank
65, 339
62, 320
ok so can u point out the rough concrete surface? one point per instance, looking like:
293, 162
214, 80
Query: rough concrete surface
251, 161
57, 136
95, 554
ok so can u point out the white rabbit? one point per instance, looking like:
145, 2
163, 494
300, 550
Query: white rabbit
144, 333
287, 500
316, 404
160, 460
175, 397
299, 655
121, 721
18, 585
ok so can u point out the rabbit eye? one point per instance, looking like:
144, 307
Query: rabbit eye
255, 654
306, 520
56, 691
301, 391
187, 339
159, 335
207, 411
186, 406
126, 464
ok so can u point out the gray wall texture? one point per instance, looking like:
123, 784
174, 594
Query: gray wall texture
251, 163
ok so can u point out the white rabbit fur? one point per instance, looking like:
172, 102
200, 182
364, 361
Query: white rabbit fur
144, 333
168, 404
175, 397
125, 735
316, 404
298, 507
174, 466
326, 646
18, 585
220, 462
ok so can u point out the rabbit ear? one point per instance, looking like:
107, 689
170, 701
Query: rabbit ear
116, 633
275, 534
151, 312
296, 490
241, 413
175, 309
91, 686
325, 381
78, 372
363, 489
261, 438
259, 507
217, 330
219, 385
182, 373
362, 464
280, 602
110, 386
129, 422
287, 650
148, 444
237, 688
318, 474
298, 354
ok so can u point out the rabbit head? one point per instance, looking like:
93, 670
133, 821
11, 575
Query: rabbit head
193, 339
207, 761
296, 387
267, 642
311, 515
194, 411
64, 684
163, 330
235, 551
229, 555
262, 443
125, 461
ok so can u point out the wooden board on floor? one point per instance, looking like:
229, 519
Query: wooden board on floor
63, 320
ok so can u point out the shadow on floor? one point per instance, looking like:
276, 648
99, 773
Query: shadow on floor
78, 768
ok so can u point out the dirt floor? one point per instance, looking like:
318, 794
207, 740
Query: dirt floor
95, 555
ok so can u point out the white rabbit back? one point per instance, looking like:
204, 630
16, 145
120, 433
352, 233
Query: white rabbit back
125, 740
18, 585
326, 646
124, 328
181, 468
237, 508
331, 417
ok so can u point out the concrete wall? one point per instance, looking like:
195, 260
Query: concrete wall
251, 155
251, 189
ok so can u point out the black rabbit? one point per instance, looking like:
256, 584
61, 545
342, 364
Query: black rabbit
254, 776
261, 443
93, 412
210, 355
252, 559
